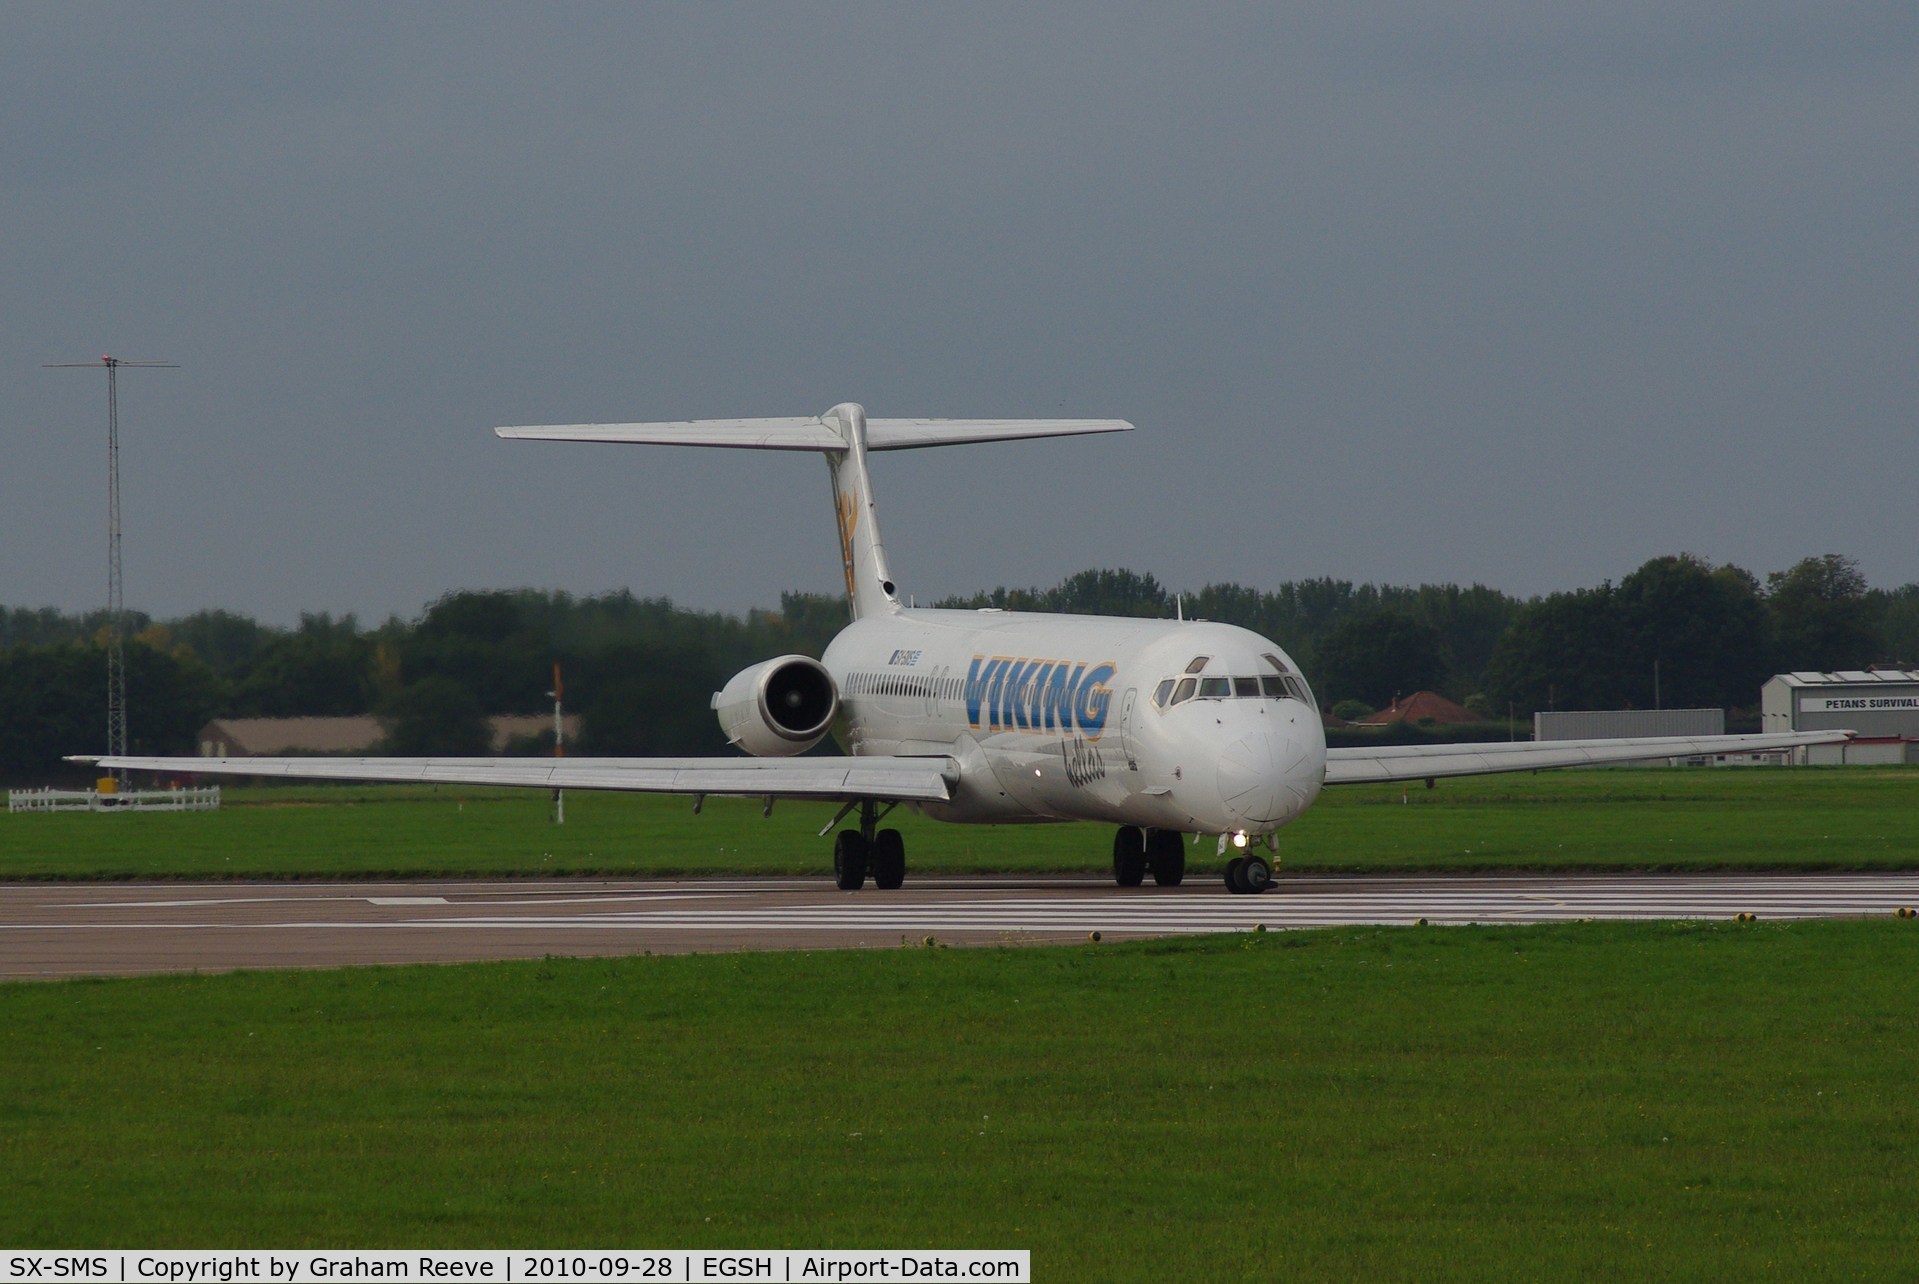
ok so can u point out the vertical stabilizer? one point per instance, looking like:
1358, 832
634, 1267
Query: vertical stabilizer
844, 435
869, 585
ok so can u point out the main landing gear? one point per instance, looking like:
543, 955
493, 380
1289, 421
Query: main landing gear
856, 852
1160, 850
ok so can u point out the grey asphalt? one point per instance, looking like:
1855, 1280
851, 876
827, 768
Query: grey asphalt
50, 930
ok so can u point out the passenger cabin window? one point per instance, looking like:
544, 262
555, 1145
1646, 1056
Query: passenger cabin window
1184, 691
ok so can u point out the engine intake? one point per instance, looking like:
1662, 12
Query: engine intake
778, 707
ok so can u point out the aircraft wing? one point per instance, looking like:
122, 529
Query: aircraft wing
824, 779
1425, 762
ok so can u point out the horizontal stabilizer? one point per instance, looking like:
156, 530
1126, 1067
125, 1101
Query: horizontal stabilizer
739, 434
910, 434
815, 434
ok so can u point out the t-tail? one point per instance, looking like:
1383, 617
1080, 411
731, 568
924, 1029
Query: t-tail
844, 435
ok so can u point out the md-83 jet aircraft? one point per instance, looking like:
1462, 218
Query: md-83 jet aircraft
1164, 729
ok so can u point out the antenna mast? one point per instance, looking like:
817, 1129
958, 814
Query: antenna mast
116, 605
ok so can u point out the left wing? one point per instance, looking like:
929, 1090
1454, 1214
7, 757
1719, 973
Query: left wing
1426, 762
828, 779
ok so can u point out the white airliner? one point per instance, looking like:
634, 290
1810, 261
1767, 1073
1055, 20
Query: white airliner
1163, 728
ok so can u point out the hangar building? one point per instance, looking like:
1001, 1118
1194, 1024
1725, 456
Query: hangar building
1881, 705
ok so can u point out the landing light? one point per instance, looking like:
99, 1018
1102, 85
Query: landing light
1239, 839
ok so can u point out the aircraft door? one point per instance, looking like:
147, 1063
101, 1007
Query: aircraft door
1126, 739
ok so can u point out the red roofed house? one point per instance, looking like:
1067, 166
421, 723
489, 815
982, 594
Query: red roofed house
1421, 707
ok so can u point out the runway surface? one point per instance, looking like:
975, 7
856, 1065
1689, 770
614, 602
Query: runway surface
81, 929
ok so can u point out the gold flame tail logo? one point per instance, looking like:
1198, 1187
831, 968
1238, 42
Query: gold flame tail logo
848, 511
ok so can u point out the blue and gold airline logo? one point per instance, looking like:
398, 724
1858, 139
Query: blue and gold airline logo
1008, 694
846, 507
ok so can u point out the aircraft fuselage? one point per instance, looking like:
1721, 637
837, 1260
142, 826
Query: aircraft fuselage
1178, 725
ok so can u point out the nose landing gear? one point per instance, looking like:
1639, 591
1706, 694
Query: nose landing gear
1248, 875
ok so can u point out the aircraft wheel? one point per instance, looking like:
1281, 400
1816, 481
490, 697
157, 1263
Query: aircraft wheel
1255, 876
849, 861
1129, 856
1166, 853
888, 859
1233, 867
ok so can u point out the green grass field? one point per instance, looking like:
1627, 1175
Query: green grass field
1677, 818
1677, 1101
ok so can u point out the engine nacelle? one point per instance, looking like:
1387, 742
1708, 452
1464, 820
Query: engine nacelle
779, 707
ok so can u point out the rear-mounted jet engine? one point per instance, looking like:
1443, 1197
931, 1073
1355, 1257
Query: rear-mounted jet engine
779, 707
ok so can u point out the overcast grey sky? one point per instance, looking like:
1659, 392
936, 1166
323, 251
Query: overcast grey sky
1506, 293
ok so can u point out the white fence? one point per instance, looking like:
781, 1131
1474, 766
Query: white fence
205, 799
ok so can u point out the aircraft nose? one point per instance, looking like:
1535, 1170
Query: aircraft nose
1253, 773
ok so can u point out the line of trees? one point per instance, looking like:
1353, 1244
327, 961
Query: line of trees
1678, 631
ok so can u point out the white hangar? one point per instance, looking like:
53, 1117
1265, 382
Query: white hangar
1881, 705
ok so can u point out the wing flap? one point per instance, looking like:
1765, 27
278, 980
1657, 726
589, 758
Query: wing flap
1422, 762
828, 779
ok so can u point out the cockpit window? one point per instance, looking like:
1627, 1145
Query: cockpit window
1199, 662
1270, 686
1276, 662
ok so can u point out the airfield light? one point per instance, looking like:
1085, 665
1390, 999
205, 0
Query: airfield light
559, 742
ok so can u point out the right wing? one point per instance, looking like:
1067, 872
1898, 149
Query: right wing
874, 777
1427, 762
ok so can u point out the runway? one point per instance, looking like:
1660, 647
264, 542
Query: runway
50, 930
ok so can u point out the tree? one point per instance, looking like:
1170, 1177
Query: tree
654, 701
325, 669
1898, 614
227, 642
1378, 655
1821, 616
497, 645
55, 702
1565, 651
436, 717
1702, 631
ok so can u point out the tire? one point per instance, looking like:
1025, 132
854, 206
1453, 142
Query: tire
1129, 857
849, 861
1166, 854
888, 859
1255, 876
1233, 884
